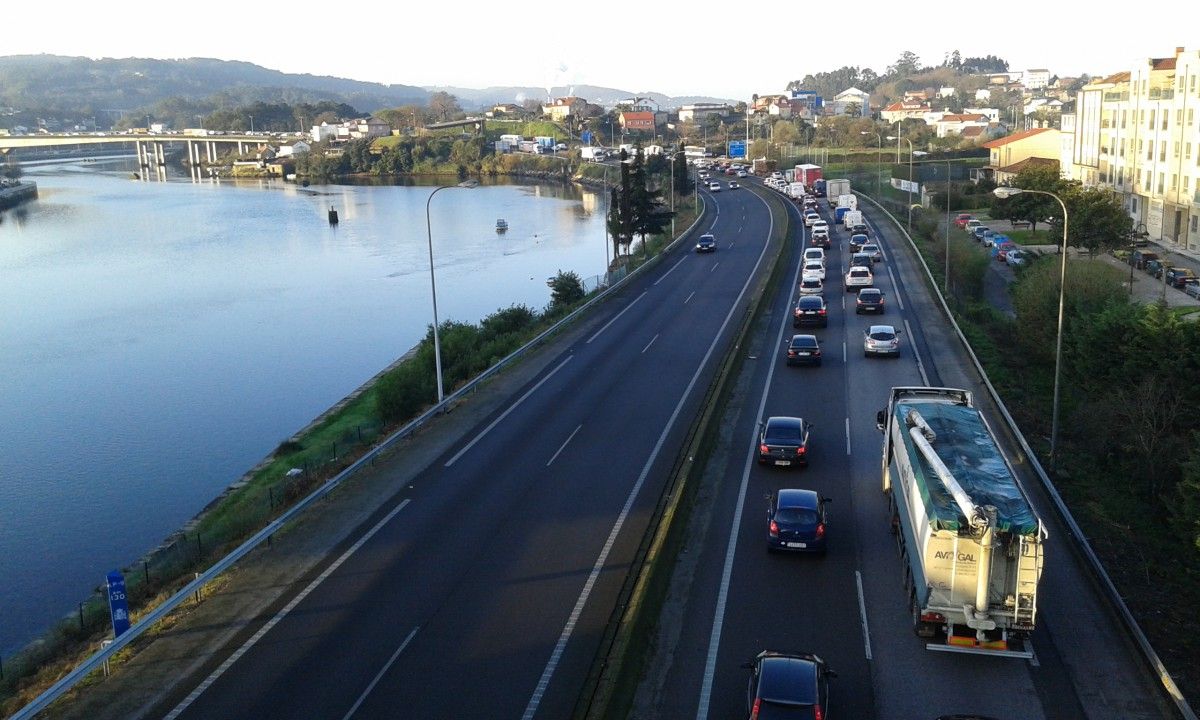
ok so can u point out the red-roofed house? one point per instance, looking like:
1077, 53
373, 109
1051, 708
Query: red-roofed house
951, 124
904, 110
638, 120
1006, 152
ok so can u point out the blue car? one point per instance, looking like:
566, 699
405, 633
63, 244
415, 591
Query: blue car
796, 521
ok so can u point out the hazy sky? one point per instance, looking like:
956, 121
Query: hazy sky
677, 49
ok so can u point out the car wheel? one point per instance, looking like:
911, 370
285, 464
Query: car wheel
858, 311
866, 354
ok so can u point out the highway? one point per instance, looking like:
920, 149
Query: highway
735, 599
483, 588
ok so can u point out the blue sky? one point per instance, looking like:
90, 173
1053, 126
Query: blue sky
650, 46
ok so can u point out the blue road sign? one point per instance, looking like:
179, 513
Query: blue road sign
118, 603
586, 136
737, 148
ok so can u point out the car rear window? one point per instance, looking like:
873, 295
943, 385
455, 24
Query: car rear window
812, 302
859, 272
871, 295
783, 433
796, 516
882, 335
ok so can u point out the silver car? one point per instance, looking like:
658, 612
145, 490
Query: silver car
881, 340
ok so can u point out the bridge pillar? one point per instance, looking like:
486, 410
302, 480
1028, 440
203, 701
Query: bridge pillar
212, 152
159, 154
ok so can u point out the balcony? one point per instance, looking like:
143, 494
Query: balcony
1162, 93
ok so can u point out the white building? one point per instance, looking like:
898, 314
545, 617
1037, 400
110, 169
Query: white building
849, 98
1036, 79
699, 111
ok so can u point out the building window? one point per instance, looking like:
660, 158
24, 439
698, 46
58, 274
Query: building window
1175, 148
1123, 114
1194, 219
1164, 120
1141, 116
1149, 150
1174, 181
1152, 119
1162, 151
1162, 179
1179, 116
1187, 151
1192, 84
1133, 205
1185, 183
1191, 117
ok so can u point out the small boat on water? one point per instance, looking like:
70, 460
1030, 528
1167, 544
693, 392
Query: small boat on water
501, 225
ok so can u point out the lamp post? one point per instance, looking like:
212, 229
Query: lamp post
878, 161
1006, 192
947, 277
437, 346
910, 165
251, 124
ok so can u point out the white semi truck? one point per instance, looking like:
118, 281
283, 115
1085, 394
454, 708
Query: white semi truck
971, 545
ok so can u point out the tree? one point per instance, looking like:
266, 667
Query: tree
1030, 207
680, 174
784, 132
1097, 220
981, 65
620, 214
909, 63
566, 289
444, 105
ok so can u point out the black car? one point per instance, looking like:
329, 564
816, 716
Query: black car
859, 229
857, 240
796, 521
810, 310
706, 243
788, 685
804, 350
1178, 276
783, 441
869, 300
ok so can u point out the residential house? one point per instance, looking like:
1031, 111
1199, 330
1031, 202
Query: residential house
637, 120
505, 109
1035, 79
561, 107
292, 149
778, 106
699, 111
953, 124
1042, 112
904, 110
850, 99
992, 114
1136, 133
945, 92
1007, 174
1006, 153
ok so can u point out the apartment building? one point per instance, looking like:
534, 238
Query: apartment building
1136, 132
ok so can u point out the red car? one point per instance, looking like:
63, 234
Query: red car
961, 220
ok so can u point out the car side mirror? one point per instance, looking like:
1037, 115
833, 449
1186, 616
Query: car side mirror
879, 420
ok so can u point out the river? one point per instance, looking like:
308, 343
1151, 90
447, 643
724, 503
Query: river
157, 339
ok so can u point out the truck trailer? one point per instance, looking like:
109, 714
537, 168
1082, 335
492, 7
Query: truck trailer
968, 537
835, 189
807, 174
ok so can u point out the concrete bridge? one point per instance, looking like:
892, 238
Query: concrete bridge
150, 147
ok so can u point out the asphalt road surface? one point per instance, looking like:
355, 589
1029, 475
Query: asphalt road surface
482, 589
735, 599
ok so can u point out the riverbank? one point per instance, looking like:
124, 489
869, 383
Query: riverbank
12, 195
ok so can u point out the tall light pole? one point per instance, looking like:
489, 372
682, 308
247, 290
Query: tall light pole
947, 276
910, 182
878, 161
607, 210
437, 344
1006, 192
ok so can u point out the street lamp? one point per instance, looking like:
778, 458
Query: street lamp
910, 183
437, 346
251, 124
878, 161
1007, 192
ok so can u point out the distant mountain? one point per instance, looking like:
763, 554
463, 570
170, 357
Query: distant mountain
78, 84
472, 99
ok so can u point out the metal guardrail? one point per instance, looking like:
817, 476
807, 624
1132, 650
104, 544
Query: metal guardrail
100, 658
1076, 533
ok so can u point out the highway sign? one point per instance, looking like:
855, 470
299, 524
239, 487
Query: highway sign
118, 603
737, 148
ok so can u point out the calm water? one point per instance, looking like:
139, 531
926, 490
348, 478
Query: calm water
157, 339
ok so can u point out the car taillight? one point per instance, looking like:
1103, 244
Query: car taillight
817, 352
821, 531
754, 709
797, 312
821, 311
774, 528
800, 450
817, 714
764, 449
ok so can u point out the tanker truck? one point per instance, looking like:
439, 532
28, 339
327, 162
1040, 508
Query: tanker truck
970, 543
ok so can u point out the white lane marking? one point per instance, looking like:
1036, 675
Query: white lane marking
505, 414
844, 356
715, 266
615, 318
731, 244
354, 708
668, 272
563, 446
1033, 660
896, 289
689, 297
714, 641
847, 436
913, 343
208, 681
649, 344
544, 681
862, 613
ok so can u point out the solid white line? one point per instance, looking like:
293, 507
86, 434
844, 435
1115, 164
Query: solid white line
649, 344
361, 698
913, 343
1033, 660
714, 267
504, 414
896, 289
689, 297
847, 436
862, 613
668, 272
714, 641
561, 447
208, 681
617, 317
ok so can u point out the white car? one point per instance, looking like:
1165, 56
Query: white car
714, 187
733, 185
881, 340
820, 226
741, 173
859, 277
813, 269
811, 218
812, 286
1017, 257
814, 253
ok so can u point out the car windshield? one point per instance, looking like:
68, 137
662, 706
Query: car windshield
796, 516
